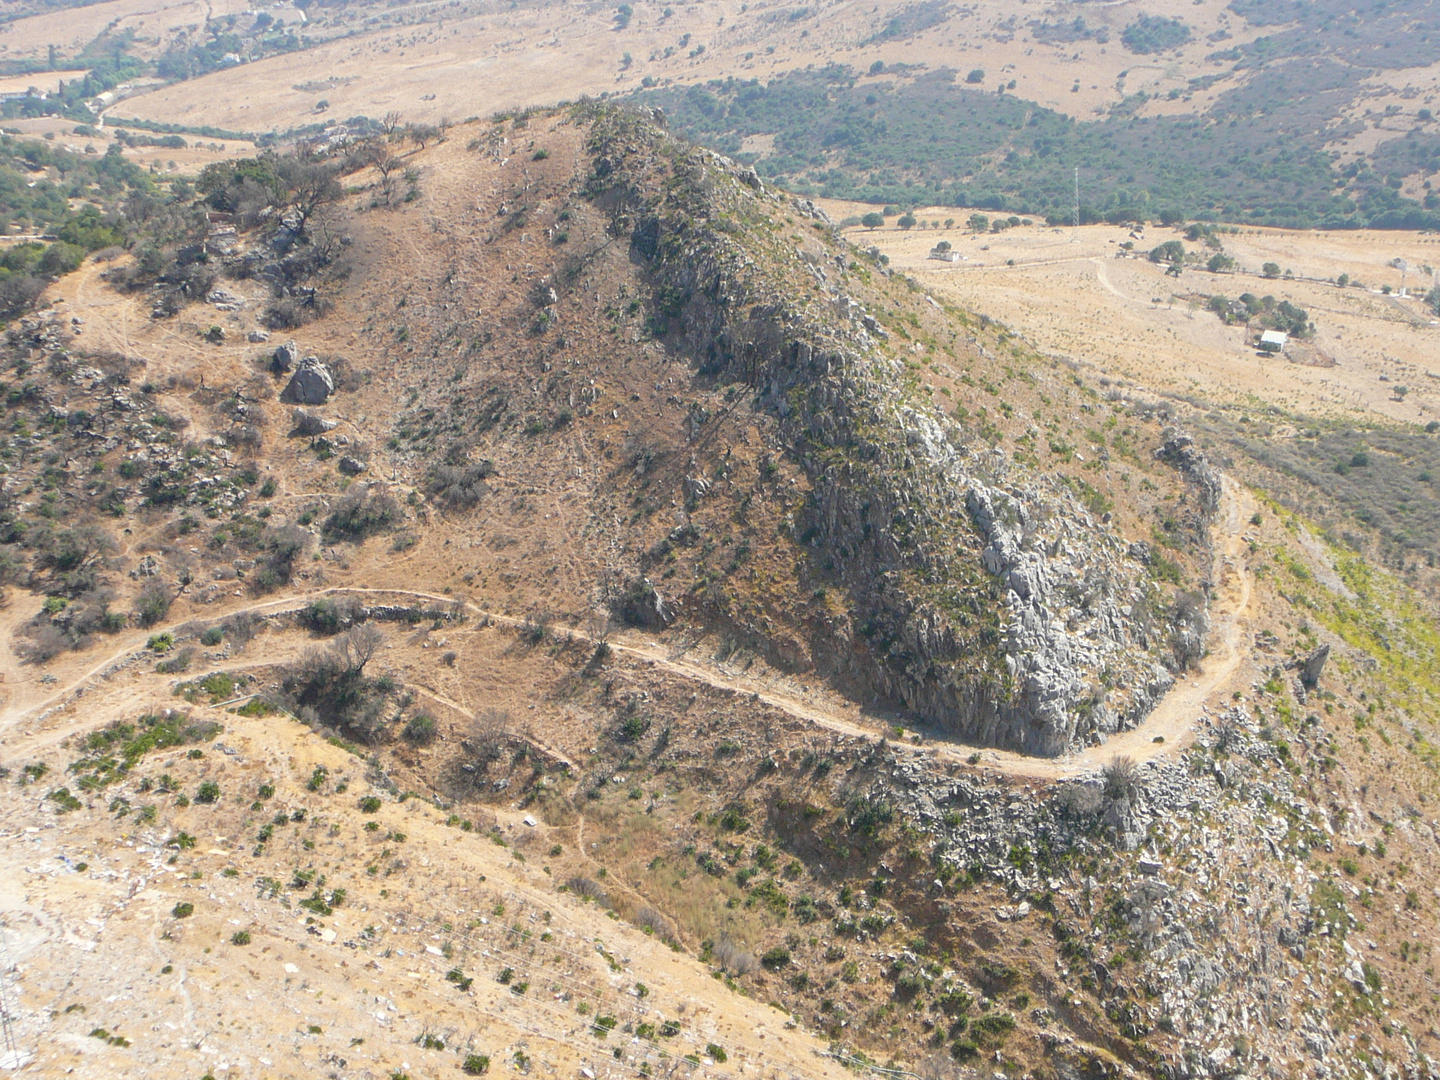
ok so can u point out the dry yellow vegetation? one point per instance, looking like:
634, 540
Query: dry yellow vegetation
431, 62
1076, 293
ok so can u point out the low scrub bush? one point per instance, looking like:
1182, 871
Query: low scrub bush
460, 486
729, 955
360, 512
153, 603
587, 889
775, 958
420, 729
330, 615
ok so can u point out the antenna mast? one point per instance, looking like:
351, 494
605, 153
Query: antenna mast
11, 1056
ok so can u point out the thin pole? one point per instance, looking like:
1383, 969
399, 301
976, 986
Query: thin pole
12, 1058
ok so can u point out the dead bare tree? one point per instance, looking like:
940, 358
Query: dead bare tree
487, 736
356, 648
599, 626
389, 167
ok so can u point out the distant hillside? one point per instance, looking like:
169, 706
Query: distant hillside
1261, 150
1258, 157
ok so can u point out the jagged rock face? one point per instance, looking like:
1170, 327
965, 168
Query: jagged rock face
312, 384
1179, 450
1314, 666
993, 605
1072, 598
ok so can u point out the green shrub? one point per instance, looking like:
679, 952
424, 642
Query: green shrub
176, 664
995, 1025
183, 910
775, 958
64, 801
369, 804
868, 816
633, 727
475, 1064
362, 511
152, 604
208, 792
420, 729
240, 937
963, 1050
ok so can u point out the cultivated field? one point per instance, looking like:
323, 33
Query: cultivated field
1071, 293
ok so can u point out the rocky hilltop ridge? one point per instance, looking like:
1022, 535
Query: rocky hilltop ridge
996, 606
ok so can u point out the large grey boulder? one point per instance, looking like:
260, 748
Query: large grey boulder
308, 423
312, 384
284, 357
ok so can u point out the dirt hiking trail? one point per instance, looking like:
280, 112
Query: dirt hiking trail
1166, 729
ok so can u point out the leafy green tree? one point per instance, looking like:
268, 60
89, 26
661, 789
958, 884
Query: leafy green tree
1154, 33
907, 221
873, 220
1220, 263
1172, 251
1271, 270
976, 75
978, 222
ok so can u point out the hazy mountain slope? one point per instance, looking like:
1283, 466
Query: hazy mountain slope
580, 356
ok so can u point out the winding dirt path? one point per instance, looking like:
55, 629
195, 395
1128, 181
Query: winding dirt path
1167, 729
